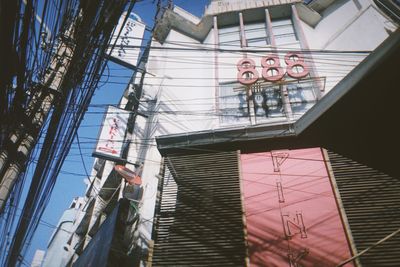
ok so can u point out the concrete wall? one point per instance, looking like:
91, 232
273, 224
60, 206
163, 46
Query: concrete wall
357, 26
187, 81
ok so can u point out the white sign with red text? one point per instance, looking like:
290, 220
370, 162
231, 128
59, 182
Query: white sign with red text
112, 134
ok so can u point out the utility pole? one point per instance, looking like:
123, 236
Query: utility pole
21, 141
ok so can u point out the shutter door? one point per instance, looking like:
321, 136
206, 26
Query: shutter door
372, 203
199, 219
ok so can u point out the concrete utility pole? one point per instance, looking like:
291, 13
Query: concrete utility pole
13, 159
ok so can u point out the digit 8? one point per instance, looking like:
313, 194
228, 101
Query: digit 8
299, 62
271, 68
245, 66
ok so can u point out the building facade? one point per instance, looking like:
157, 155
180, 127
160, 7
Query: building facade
57, 248
245, 71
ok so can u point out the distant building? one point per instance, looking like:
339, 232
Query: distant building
266, 154
57, 249
38, 258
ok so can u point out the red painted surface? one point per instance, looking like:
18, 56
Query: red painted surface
130, 176
269, 63
291, 214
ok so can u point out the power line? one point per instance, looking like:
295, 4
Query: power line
244, 50
68, 122
80, 152
369, 248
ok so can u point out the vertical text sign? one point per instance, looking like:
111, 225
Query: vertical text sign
111, 137
127, 46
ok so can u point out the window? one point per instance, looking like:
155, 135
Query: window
229, 37
233, 104
283, 31
268, 103
256, 34
301, 96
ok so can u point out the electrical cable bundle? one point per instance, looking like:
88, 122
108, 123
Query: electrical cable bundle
92, 30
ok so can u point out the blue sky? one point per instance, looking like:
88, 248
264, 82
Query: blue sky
70, 181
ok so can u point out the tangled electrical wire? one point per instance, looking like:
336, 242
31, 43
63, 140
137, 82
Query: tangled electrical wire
36, 42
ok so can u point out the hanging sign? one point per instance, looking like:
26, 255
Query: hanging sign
127, 46
112, 134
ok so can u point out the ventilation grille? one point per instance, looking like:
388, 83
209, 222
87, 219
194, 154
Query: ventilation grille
372, 203
199, 219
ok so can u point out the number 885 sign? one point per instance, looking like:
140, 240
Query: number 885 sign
272, 70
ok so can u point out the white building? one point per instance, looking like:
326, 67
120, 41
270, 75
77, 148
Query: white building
38, 258
194, 82
57, 248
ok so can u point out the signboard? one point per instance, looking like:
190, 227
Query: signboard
291, 213
127, 46
272, 71
112, 134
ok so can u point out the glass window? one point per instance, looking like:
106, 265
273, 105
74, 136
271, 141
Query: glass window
229, 37
283, 31
233, 104
301, 97
268, 103
256, 34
